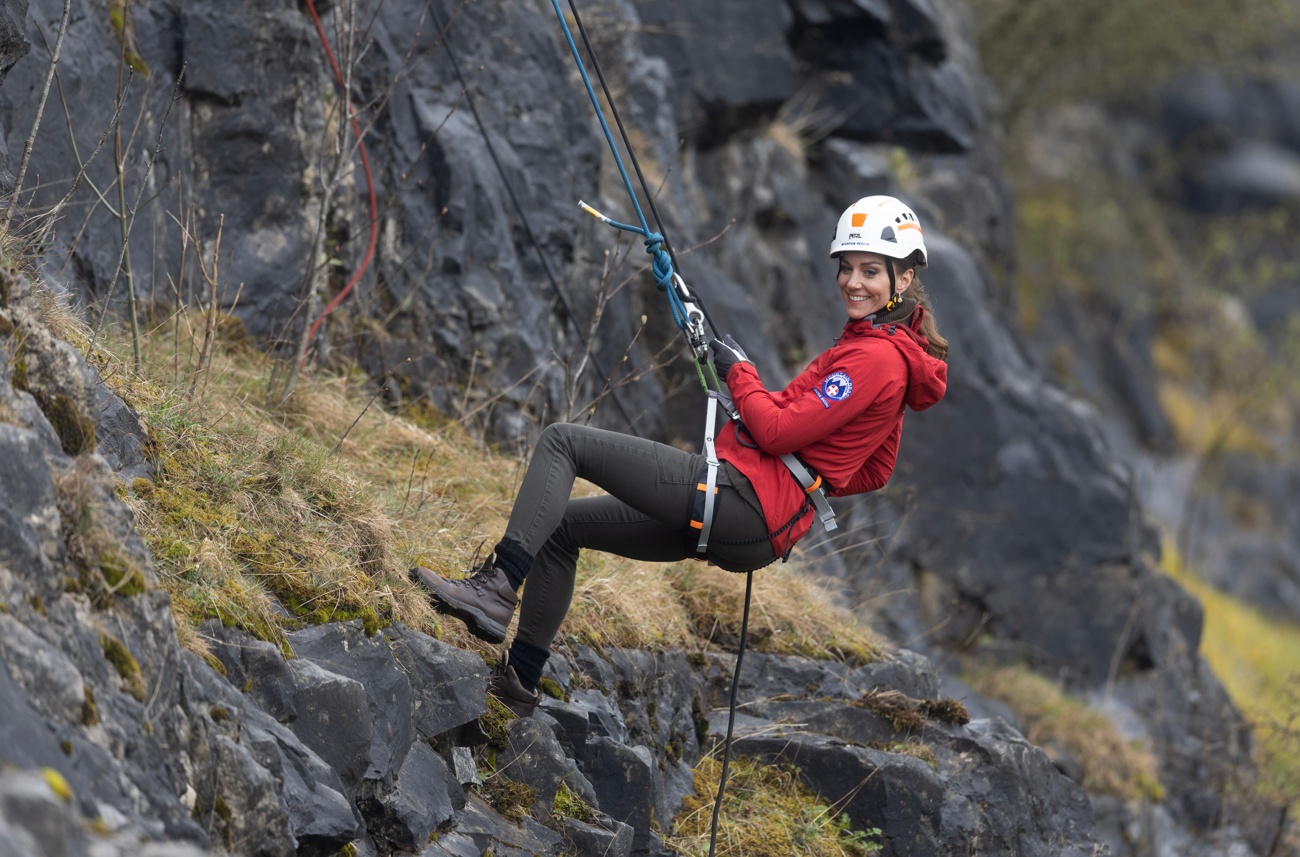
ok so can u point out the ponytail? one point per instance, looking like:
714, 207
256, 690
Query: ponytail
938, 347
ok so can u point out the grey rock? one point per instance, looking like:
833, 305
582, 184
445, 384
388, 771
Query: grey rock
590, 840
465, 769
448, 685
625, 784
534, 757
321, 817
46, 673
574, 725
255, 667
333, 719
119, 435
345, 649
479, 827
701, 45
419, 802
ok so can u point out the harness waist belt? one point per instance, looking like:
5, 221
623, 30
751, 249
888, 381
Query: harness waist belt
813, 487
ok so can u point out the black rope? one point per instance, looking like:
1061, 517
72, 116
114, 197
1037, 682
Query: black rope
631, 153
519, 209
731, 717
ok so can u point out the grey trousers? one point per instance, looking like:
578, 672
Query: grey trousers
645, 515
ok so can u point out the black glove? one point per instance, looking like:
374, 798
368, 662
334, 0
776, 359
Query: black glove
726, 354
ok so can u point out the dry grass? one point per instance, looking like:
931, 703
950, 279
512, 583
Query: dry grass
270, 518
1111, 764
767, 811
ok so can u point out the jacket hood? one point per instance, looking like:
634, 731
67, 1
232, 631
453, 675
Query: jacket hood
927, 376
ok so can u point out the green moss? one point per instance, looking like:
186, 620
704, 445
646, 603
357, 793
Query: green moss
214, 662
223, 811
142, 487
120, 574
89, 709
568, 804
218, 714
495, 722
66, 746
550, 687
37, 603
124, 662
20, 374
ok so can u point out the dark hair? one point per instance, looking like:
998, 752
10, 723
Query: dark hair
938, 347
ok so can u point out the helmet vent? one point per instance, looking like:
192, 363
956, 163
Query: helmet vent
887, 234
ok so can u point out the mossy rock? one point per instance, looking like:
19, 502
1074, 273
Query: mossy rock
125, 664
89, 708
120, 574
76, 430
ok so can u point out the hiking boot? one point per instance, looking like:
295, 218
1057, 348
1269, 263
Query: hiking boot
484, 601
504, 684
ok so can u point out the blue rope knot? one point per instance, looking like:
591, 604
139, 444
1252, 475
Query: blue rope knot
662, 264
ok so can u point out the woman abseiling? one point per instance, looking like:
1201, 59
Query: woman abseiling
842, 416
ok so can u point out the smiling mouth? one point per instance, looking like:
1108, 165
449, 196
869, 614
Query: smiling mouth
858, 299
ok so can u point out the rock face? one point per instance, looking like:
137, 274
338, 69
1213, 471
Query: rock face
1009, 518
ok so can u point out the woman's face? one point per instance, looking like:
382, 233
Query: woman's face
864, 283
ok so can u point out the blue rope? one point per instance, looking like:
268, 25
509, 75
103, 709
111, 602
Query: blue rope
661, 263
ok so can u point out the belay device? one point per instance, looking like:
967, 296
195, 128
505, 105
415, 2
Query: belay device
691, 317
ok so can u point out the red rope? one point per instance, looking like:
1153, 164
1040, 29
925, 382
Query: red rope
370, 183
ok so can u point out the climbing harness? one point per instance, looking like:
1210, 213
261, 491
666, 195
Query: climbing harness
690, 316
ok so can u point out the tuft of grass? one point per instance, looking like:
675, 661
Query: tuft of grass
791, 614
1258, 660
767, 811
1111, 764
512, 800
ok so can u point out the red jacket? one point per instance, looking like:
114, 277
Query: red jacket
843, 416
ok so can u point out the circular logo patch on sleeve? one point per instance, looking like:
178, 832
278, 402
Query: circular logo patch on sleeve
837, 387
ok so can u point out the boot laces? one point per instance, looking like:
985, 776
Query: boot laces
485, 572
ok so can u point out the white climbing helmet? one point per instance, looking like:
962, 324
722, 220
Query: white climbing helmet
879, 224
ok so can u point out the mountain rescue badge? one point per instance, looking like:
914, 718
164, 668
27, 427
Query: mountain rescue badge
836, 388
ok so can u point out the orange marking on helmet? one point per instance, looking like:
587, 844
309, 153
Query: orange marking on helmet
859, 219
911, 226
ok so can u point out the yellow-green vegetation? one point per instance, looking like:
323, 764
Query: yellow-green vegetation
57, 783
103, 568
89, 709
124, 663
314, 509
767, 811
1111, 764
569, 804
791, 613
1258, 661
